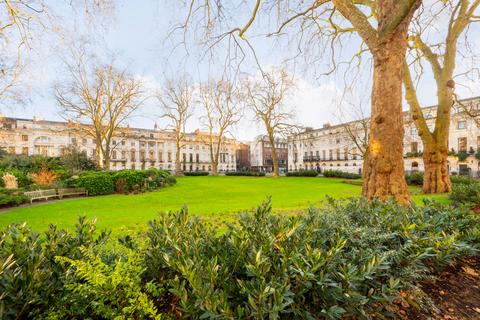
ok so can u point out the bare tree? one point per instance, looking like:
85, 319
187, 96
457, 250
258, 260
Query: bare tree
177, 102
218, 99
98, 101
382, 26
267, 97
442, 57
21, 22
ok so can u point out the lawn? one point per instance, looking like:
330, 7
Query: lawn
218, 199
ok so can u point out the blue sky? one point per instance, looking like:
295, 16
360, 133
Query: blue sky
137, 33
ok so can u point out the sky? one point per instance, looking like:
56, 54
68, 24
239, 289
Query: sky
137, 33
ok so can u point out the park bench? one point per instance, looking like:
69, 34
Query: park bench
72, 192
41, 194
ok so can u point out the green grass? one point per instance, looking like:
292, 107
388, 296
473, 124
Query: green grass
218, 199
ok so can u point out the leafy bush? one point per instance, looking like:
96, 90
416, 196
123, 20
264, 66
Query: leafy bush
347, 259
12, 197
462, 156
75, 161
105, 283
340, 174
462, 180
96, 182
466, 193
127, 181
44, 178
477, 155
32, 281
414, 178
196, 173
245, 173
302, 173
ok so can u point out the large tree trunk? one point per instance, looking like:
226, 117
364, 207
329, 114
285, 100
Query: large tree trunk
275, 171
384, 168
214, 168
178, 162
436, 178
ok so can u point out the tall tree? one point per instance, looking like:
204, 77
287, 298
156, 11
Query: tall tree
176, 99
382, 26
21, 22
441, 56
267, 98
98, 101
221, 114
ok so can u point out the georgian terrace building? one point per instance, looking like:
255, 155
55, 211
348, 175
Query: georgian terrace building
333, 147
132, 148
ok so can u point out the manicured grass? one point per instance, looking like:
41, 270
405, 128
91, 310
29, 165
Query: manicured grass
218, 199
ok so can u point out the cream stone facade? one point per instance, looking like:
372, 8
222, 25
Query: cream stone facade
334, 147
132, 148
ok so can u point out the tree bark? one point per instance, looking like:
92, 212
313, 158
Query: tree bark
275, 171
384, 167
436, 178
214, 169
178, 162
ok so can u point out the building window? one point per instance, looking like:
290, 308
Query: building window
338, 154
84, 141
114, 154
11, 149
24, 137
160, 157
169, 157
462, 144
25, 151
345, 153
462, 124
124, 155
74, 140
354, 153
197, 158
330, 154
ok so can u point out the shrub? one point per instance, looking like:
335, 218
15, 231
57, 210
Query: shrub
462, 156
462, 180
127, 181
196, 173
477, 155
75, 161
414, 178
245, 173
348, 259
302, 173
340, 174
468, 194
44, 178
31, 280
11, 198
95, 182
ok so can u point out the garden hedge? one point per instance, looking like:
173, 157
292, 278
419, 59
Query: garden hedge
302, 173
340, 174
347, 259
196, 173
245, 173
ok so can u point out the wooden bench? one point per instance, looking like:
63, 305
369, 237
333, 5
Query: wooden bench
72, 192
41, 194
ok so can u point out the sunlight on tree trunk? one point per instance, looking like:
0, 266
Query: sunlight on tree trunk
384, 167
